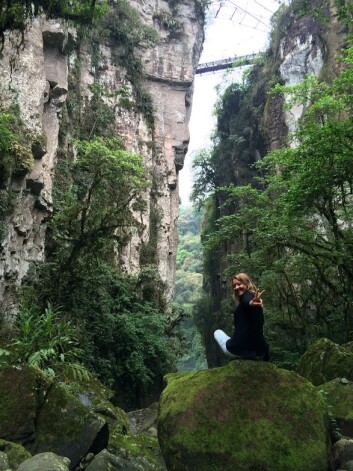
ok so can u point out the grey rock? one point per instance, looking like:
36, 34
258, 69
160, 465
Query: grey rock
4, 462
45, 462
343, 452
105, 461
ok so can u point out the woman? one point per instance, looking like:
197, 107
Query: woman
248, 340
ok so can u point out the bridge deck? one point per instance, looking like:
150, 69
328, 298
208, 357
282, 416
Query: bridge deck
225, 63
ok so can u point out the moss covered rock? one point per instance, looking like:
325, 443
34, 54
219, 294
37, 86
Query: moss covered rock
93, 394
18, 403
15, 453
68, 428
325, 360
141, 450
44, 416
339, 394
244, 416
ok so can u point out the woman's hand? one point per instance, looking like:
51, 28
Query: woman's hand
257, 301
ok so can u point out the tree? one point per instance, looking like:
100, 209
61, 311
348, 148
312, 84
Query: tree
97, 214
293, 232
16, 14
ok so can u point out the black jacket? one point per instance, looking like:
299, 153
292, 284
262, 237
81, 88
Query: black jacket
248, 339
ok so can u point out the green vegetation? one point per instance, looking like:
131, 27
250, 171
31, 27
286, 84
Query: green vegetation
16, 14
45, 342
291, 226
188, 287
16, 158
122, 327
96, 214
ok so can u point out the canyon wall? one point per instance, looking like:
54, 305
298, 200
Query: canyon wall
252, 122
52, 67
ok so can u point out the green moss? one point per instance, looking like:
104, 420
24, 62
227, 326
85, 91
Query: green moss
339, 395
139, 445
17, 402
325, 360
99, 397
247, 415
16, 453
66, 412
23, 160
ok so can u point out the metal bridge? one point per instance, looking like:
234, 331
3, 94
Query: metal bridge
255, 14
223, 64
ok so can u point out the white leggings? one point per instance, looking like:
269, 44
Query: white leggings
221, 338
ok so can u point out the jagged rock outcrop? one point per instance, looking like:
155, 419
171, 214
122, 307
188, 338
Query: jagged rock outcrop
36, 78
244, 416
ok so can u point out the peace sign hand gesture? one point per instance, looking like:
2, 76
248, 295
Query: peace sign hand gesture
257, 301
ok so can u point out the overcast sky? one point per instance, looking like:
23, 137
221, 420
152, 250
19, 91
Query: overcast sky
234, 29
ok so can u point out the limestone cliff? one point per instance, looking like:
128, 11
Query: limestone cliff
251, 123
54, 69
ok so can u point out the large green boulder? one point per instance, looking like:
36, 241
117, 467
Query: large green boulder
246, 416
325, 360
68, 428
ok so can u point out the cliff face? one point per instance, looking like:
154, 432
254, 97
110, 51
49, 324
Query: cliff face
53, 67
253, 122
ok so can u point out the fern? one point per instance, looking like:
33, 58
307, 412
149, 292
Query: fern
48, 343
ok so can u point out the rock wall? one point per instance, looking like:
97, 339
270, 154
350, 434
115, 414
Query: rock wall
36, 78
303, 43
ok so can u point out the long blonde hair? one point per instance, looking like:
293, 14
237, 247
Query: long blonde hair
246, 281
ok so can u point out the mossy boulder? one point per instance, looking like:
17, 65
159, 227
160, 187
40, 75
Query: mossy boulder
107, 461
325, 360
18, 403
141, 450
96, 396
68, 428
248, 416
45, 416
339, 394
15, 453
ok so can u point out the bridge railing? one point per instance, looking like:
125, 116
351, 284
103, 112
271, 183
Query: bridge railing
225, 63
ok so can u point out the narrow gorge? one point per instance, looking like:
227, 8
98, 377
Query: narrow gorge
100, 364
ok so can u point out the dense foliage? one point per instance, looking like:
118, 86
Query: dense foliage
291, 226
16, 14
120, 320
188, 287
46, 342
17, 146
